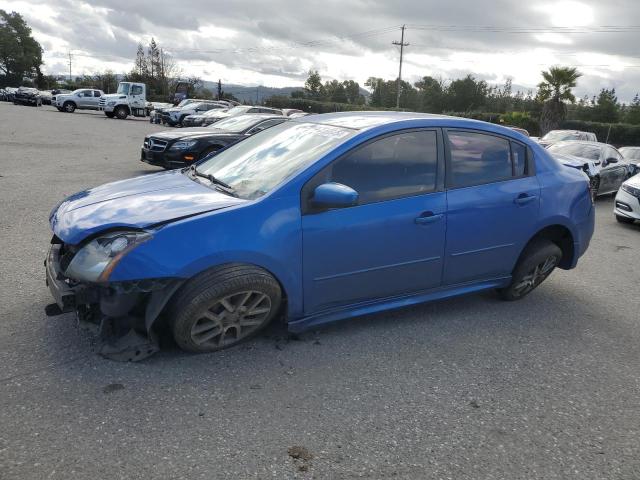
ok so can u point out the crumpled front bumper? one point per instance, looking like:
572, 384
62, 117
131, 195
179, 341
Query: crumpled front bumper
121, 315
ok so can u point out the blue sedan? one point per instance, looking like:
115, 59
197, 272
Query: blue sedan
315, 220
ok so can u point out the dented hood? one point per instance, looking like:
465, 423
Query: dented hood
134, 203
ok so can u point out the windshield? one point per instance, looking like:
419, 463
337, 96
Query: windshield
558, 135
238, 124
238, 110
590, 152
256, 165
630, 153
123, 88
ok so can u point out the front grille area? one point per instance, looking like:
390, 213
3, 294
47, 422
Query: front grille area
155, 144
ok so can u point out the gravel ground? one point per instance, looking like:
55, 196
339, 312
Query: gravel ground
469, 388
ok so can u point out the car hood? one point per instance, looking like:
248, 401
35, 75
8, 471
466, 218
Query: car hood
633, 181
188, 133
134, 203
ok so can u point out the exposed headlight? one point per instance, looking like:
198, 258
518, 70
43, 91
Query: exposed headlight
96, 260
631, 190
111, 104
183, 144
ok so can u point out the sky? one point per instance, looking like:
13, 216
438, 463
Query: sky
276, 43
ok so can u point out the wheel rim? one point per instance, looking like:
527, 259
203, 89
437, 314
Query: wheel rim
69, 108
231, 318
535, 276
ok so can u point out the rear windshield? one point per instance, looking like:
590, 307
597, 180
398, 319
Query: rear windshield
630, 153
237, 124
559, 135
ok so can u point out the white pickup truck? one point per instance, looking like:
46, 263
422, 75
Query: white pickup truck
130, 99
81, 99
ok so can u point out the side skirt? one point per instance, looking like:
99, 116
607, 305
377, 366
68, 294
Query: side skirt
365, 308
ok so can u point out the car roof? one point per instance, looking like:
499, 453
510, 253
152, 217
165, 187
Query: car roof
371, 119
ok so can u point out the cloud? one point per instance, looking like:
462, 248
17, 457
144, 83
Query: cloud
275, 43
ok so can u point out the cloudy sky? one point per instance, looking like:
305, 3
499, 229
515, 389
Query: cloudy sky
275, 43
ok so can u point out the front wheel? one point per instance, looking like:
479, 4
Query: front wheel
121, 113
223, 306
594, 186
537, 262
69, 107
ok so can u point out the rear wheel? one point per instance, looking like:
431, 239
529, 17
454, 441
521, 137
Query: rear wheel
622, 219
69, 107
536, 264
223, 307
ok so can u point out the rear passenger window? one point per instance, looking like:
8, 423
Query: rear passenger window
478, 158
392, 167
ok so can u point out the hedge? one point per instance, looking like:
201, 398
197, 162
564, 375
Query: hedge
621, 134
315, 106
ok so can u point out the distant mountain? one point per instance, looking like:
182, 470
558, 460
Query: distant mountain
250, 94
256, 94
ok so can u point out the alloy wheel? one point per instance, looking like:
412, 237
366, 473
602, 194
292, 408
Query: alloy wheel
536, 276
231, 318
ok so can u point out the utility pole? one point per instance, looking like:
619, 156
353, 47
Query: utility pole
69, 66
402, 45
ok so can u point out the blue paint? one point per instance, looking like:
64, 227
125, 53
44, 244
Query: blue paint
337, 263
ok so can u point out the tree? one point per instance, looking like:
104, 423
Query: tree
20, 53
466, 94
334, 91
430, 94
141, 62
606, 108
352, 91
632, 114
313, 85
553, 92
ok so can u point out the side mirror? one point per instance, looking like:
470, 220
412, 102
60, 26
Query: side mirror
611, 160
334, 195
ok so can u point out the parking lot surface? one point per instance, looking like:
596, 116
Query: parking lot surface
473, 387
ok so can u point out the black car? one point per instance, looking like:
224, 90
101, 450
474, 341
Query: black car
602, 163
27, 96
179, 148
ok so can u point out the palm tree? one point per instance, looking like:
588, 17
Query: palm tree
554, 91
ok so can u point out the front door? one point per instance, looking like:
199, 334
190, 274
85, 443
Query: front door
392, 242
493, 200
612, 174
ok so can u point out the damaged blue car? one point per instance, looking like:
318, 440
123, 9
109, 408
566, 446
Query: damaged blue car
319, 219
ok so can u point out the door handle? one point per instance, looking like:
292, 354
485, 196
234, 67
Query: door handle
524, 198
427, 217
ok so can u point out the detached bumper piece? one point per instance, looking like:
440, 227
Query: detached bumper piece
120, 315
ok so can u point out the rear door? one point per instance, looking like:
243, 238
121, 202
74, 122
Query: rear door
493, 199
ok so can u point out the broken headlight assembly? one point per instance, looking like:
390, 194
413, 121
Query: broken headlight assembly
95, 261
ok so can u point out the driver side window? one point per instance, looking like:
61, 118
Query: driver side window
394, 166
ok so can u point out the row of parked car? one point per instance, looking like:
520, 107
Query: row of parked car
610, 170
194, 112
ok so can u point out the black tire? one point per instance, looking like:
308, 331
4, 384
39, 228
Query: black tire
69, 107
594, 186
223, 307
626, 220
121, 112
109, 114
537, 262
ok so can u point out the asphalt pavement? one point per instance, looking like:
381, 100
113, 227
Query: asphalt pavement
468, 388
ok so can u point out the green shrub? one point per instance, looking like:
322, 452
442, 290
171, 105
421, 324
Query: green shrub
314, 106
